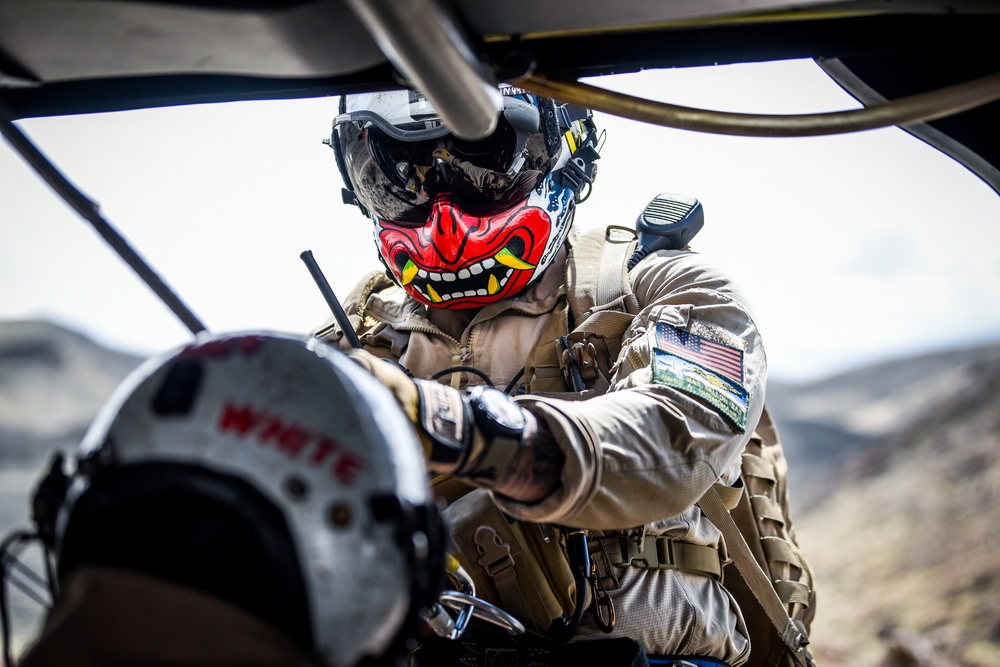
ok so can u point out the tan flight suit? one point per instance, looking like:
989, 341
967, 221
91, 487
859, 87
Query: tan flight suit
640, 446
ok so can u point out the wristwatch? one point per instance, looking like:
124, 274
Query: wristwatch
501, 423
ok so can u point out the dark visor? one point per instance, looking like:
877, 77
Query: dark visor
397, 179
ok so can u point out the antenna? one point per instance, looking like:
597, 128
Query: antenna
331, 299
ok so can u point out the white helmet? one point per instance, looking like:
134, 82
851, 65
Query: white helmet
271, 471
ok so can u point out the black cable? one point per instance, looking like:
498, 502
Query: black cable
50, 570
32, 580
574, 369
463, 369
7, 547
513, 383
88, 210
579, 558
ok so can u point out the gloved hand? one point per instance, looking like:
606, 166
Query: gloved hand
475, 434
443, 154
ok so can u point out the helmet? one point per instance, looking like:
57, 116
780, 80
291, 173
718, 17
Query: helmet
458, 223
272, 472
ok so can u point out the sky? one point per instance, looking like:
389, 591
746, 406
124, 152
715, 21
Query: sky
852, 249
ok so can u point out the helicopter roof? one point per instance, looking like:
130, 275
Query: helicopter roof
61, 57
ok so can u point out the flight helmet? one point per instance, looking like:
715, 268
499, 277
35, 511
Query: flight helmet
267, 470
460, 224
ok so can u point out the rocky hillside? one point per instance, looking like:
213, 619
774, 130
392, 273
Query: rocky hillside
52, 381
834, 419
897, 473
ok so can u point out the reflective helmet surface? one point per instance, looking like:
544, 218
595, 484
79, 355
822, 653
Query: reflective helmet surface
292, 426
460, 224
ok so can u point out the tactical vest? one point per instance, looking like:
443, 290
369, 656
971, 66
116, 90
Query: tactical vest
524, 567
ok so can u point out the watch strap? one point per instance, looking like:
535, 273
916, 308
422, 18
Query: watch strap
445, 421
493, 459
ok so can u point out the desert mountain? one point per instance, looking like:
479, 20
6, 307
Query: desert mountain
897, 467
52, 382
832, 420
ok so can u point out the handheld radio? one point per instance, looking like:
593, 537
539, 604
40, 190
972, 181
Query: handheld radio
669, 222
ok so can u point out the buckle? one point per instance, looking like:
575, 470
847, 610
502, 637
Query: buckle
636, 555
794, 637
578, 362
494, 553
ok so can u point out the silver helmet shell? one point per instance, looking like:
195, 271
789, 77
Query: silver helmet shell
318, 438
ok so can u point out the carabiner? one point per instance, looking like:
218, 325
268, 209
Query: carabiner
604, 607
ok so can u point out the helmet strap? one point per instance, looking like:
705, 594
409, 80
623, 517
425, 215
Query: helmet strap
347, 192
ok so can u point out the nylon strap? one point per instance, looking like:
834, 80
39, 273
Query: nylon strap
662, 553
766, 508
792, 591
730, 495
758, 582
607, 323
611, 281
498, 563
780, 549
756, 466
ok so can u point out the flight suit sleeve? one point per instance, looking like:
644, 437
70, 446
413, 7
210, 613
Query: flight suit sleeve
685, 396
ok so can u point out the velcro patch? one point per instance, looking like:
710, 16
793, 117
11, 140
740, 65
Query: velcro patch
730, 398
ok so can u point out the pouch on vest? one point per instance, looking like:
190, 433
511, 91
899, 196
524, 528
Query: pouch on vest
522, 568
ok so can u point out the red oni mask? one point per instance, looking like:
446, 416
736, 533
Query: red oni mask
457, 260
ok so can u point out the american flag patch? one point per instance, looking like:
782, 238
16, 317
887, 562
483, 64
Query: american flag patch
722, 359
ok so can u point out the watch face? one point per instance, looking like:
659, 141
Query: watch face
497, 405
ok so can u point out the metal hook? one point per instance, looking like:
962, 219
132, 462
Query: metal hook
604, 607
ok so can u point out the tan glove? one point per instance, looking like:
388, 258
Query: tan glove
443, 154
444, 419
399, 383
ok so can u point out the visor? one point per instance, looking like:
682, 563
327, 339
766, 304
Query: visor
400, 156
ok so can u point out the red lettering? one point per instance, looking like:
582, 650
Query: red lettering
290, 439
323, 449
272, 430
293, 440
249, 344
242, 420
346, 468
223, 347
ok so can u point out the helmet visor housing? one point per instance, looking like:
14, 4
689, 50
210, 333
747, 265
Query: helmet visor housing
399, 156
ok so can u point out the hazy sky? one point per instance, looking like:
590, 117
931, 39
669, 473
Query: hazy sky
852, 249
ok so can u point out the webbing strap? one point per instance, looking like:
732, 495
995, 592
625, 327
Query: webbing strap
730, 495
497, 562
607, 323
792, 591
766, 508
659, 552
759, 583
610, 278
757, 466
780, 549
